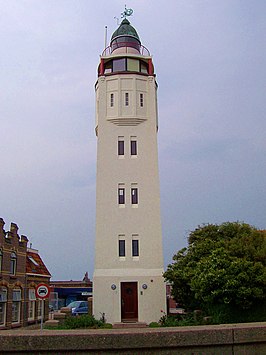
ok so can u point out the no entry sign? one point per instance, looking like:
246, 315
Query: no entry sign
42, 291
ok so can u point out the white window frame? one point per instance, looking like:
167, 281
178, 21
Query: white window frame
133, 139
31, 304
16, 306
121, 192
3, 303
134, 191
39, 308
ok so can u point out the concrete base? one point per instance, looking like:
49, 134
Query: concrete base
237, 339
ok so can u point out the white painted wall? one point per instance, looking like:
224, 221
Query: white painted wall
113, 220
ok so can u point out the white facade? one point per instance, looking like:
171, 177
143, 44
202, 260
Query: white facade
127, 283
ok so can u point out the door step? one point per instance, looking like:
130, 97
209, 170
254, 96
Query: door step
124, 325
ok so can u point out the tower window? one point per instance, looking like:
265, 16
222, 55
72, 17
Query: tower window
141, 100
133, 146
132, 65
126, 99
135, 247
122, 247
112, 100
134, 195
121, 195
121, 146
119, 64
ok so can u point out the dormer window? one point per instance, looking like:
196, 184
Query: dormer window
33, 261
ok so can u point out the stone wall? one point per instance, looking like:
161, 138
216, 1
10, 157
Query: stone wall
221, 339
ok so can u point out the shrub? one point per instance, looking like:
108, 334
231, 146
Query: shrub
84, 321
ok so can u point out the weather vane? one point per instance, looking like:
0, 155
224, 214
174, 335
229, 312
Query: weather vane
126, 12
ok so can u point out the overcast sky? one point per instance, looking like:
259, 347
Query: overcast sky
209, 59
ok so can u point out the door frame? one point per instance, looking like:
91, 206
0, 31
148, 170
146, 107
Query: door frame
135, 311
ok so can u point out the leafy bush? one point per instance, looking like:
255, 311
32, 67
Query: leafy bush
84, 321
222, 272
154, 325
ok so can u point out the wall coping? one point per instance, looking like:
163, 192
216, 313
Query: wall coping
155, 339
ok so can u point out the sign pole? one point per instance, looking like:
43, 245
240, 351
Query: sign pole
42, 316
42, 291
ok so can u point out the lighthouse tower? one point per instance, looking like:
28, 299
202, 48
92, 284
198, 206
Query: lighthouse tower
128, 285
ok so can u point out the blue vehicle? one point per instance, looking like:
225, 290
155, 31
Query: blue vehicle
78, 307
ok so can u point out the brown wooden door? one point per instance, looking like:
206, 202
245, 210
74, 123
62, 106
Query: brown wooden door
129, 301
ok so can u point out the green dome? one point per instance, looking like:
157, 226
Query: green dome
125, 29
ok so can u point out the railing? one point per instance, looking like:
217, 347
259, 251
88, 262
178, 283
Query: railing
127, 48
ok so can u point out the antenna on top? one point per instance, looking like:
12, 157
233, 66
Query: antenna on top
105, 37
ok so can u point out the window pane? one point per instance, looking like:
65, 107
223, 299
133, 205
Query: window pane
134, 196
121, 196
2, 313
3, 295
119, 65
15, 312
135, 247
133, 147
121, 150
108, 67
112, 100
17, 295
126, 99
32, 295
141, 101
132, 64
122, 248
144, 67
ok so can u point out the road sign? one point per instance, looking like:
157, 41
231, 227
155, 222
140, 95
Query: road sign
42, 291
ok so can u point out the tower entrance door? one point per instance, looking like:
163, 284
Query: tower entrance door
129, 301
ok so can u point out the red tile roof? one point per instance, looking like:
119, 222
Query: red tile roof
35, 265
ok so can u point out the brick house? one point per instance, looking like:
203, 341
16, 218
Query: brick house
21, 270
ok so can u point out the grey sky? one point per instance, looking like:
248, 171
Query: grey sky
210, 62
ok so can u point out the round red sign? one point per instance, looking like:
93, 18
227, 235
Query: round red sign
42, 291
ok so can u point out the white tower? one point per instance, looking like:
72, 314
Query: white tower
127, 283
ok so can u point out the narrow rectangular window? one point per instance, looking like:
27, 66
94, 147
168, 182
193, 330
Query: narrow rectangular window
13, 263
122, 247
121, 146
126, 99
121, 195
16, 303
134, 196
135, 247
112, 100
133, 146
39, 309
3, 302
141, 100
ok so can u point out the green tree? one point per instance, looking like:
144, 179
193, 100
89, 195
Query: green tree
223, 266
